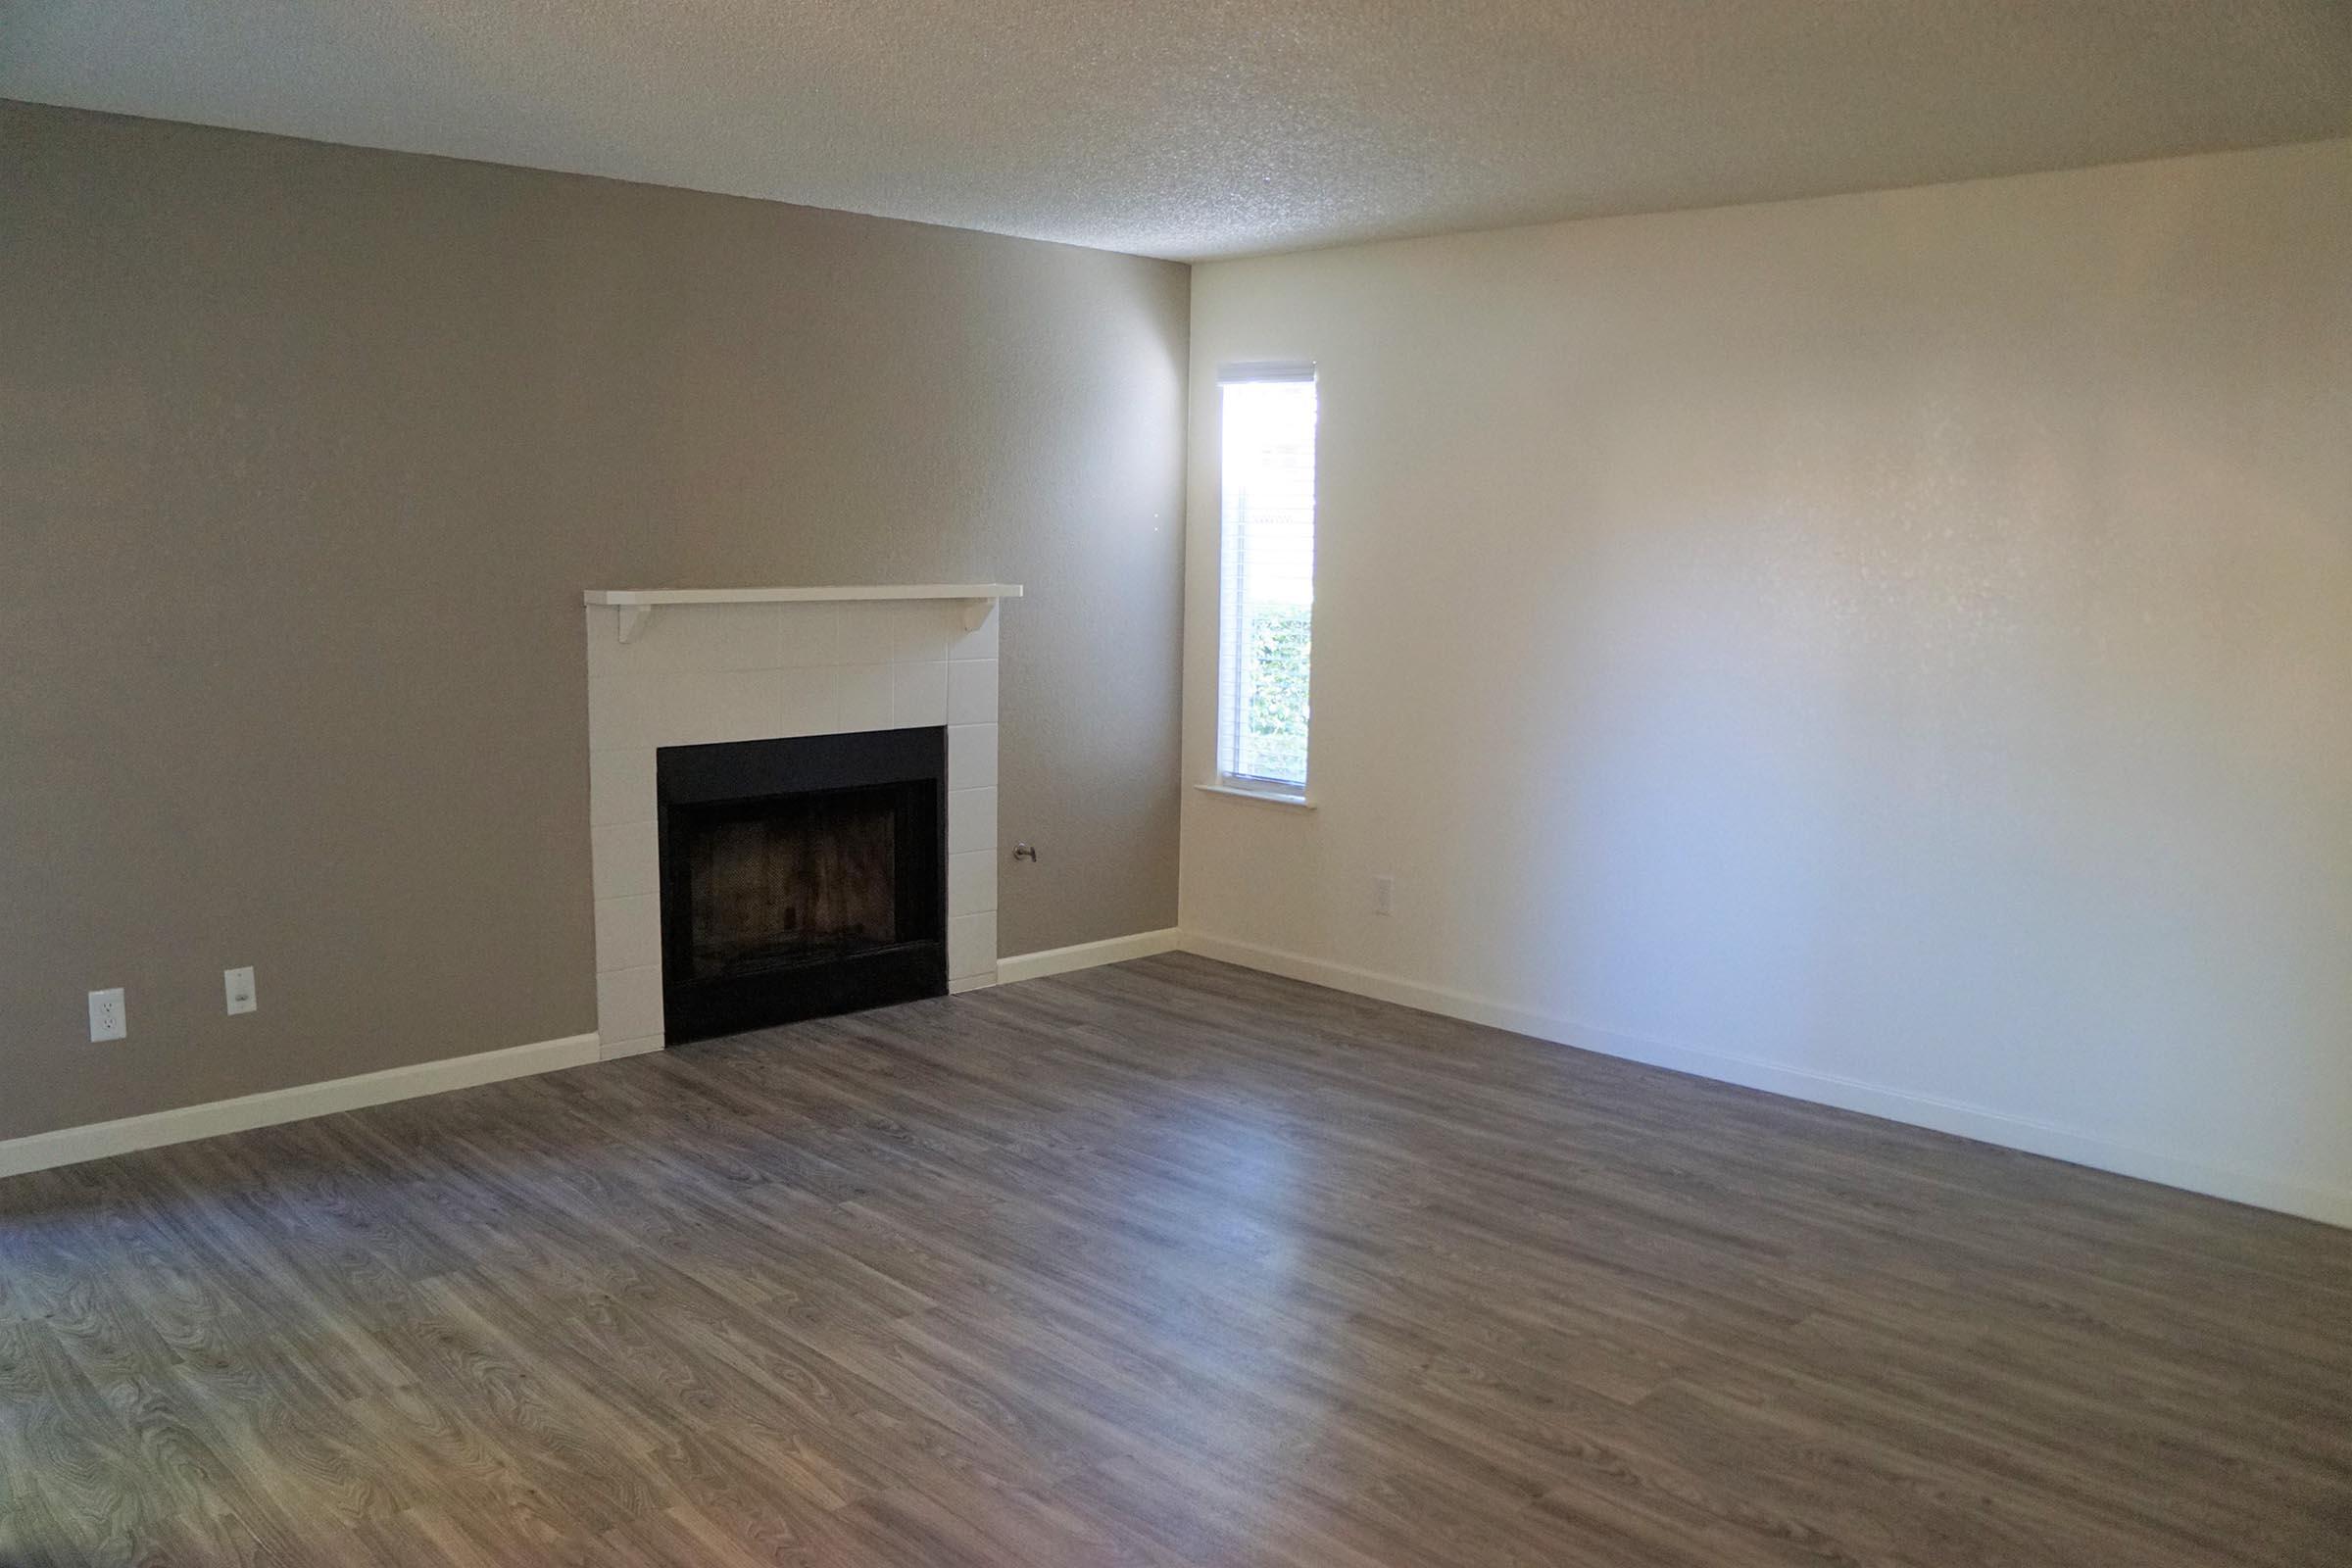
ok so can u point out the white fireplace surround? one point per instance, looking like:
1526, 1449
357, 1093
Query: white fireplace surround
757, 663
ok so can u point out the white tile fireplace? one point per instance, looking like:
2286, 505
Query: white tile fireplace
695, 666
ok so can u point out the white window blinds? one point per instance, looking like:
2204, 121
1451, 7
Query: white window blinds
1267, 576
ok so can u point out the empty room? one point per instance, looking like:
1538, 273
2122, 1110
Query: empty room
1328, 784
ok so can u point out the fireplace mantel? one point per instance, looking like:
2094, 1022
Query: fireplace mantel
979, 598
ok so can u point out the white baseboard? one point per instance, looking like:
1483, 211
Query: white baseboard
71, 1145
1084, 955
2261, 1188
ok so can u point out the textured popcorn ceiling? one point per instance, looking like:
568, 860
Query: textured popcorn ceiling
1199, 128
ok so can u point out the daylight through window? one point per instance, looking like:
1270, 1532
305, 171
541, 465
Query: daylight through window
1267, 567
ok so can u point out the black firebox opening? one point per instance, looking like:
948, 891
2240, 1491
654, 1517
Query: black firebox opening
801, 877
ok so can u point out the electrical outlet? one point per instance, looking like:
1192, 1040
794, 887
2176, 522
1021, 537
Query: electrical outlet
1384, 894
110, 1019
238, 983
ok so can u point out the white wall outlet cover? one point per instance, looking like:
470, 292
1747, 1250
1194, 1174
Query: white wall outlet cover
1384, 894
238, 983
109, 1018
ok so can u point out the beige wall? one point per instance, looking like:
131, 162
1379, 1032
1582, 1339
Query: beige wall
305, 454
1895, 648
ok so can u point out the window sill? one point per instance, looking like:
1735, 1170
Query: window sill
1296, 802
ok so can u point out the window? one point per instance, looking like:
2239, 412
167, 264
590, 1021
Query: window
1266, 570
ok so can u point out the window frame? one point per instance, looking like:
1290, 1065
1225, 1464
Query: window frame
1223, 781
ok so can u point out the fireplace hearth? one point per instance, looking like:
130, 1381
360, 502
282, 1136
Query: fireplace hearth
799, 878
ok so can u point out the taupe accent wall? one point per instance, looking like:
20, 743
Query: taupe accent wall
305, 454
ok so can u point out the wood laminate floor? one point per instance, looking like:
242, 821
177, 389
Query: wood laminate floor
1170, 1263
